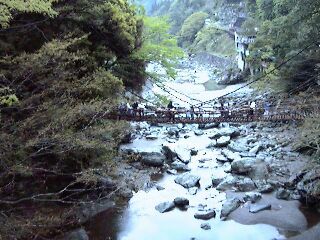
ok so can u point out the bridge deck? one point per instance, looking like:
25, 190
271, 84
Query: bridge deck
180, 118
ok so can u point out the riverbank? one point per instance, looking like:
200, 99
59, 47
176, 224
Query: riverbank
219, 175
225, 171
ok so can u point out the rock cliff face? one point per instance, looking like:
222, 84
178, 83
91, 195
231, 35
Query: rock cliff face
215, 40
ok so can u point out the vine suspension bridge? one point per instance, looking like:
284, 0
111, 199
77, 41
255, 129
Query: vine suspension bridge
216, 115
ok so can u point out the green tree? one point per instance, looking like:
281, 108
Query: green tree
10, 7
158, 45
191, 26
61, 71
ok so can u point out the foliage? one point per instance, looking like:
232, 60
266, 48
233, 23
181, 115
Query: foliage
9, 7
278, 38
63, 66
158, 45
214, 41
191, 27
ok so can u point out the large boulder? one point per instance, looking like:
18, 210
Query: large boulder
154, 159
228, 183
308, 186
231, 77
242, 166
187, 180
229, 206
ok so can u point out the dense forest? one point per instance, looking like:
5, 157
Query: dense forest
283, 28
65, 64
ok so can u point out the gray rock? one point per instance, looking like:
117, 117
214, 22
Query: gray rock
193, 152
154, 159
247, 155
151, 137
254, 208
256, 149
263, 187
78, 234
231, 156
193, 190
173, 131
228, 183
308, 186
221, 158
245, 185
172, 171
205, 226
283, 194
181, 202
198, 132
205, 215
237, 147
230, 132
215, 135
159, 188
267, 188
243, 166
231, 77
183, 155
187, 180
165, 207
169, 153
229, 206
180, 166
212, 144
223, 141
252, 196
203, 160
216, 180
208, 126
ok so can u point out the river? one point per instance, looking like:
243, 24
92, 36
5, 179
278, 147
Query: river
139, 219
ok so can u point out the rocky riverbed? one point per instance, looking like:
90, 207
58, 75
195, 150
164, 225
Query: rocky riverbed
217, 181
191, 183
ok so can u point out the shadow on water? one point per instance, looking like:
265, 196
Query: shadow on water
105, 226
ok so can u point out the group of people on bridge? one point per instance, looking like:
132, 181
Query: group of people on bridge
221, 109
